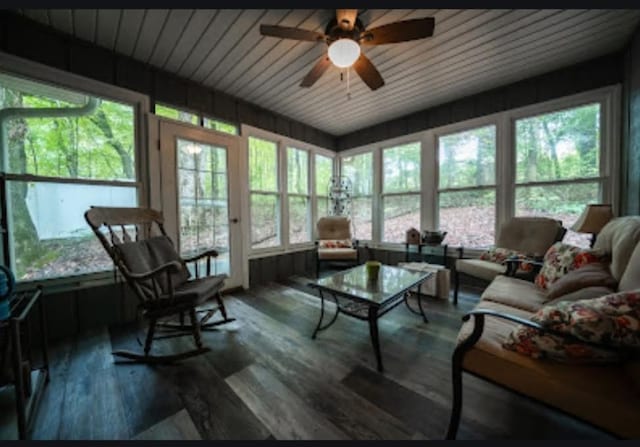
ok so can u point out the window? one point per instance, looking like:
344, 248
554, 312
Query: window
298, 195
264, 193
467, 186
324, 172
56, 165
558, 165
359, 168
177, 114
400, 191
220, 126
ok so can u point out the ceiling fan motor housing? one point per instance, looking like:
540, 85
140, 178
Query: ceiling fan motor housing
334, 31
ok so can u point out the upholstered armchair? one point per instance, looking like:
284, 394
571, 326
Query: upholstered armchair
528, 237
335, 243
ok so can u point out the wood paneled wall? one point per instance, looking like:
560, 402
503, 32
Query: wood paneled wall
592, 74
31, 40
630, 162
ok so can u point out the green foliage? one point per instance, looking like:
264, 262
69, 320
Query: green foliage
324, 172
177, 114
468, 158
263, 165
297, 171
221, 126
359, 168
401, 168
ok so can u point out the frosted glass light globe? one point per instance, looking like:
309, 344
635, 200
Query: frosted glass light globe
344, 52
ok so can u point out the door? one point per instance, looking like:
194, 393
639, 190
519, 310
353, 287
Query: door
200, 195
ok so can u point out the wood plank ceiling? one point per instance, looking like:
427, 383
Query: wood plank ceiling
470, 51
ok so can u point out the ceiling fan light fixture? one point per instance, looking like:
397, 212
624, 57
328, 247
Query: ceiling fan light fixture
344, 52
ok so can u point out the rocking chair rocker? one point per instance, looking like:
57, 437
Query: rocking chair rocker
159, 277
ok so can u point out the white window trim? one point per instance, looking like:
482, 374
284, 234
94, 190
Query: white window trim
610, 99
282, 143
17, 66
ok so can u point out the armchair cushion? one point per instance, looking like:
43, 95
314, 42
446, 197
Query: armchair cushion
480, 268
514, 292
335, 243
590, 275
334, 227
562, 258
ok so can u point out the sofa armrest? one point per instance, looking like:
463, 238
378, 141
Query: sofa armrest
478, 327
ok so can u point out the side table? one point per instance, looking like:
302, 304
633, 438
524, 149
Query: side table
438, 250
16, 331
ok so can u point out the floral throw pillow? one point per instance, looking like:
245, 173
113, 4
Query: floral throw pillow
500, 255
534, 343
335, 243
562, 258
611, 320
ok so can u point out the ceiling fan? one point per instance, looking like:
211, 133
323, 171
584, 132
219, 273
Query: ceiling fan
344, 35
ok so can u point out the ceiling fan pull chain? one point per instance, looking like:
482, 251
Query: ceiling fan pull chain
348, 83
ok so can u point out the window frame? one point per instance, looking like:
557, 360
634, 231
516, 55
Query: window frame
610, 134
282, 142
16, 66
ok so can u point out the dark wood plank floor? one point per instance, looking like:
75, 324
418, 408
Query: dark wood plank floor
266, 379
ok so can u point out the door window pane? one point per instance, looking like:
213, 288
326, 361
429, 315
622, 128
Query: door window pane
299, 228
324, 172
400, 213
265, 223
468, 158
563, 202
263, 165
203, 204
297, 171
50, 237
401, 168
559, 146
468, 217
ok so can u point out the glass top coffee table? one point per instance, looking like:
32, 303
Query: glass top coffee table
357, 296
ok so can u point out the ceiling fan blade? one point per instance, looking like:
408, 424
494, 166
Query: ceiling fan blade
346, 18
369, 74
315, 73
399, 31
286, 32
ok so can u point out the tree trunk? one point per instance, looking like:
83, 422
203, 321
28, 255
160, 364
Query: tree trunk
552, 141
100, 120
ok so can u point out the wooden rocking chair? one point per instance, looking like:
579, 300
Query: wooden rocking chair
159, 277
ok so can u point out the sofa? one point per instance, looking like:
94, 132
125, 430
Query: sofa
606, 396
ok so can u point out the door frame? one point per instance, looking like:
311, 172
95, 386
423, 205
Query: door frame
163, 177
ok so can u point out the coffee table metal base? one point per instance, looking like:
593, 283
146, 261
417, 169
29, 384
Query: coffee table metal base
368, 312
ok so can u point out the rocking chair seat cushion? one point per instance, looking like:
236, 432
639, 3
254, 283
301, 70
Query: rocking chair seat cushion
145, 255
189, 294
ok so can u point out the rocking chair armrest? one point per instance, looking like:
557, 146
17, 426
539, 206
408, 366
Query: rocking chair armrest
204, 254
169, 267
